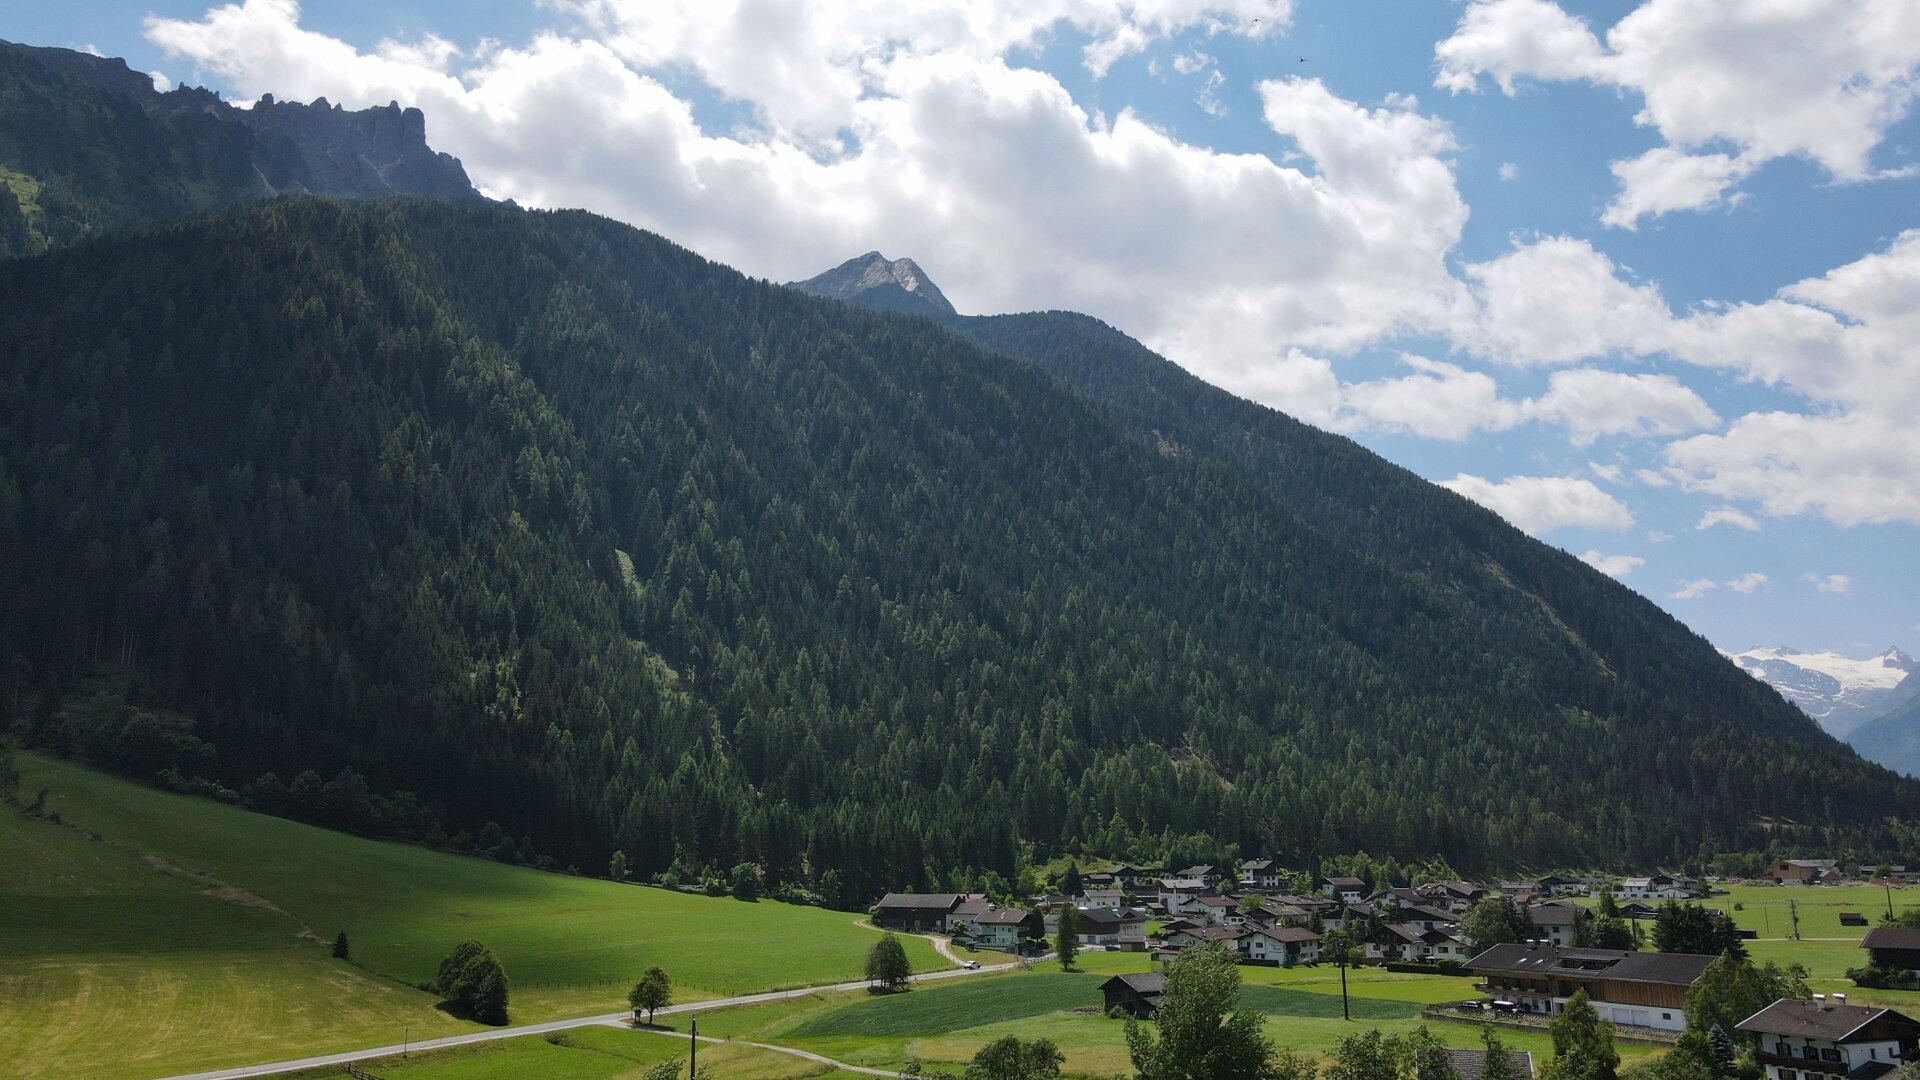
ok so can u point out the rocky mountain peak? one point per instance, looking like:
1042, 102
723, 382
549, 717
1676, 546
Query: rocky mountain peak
875, 281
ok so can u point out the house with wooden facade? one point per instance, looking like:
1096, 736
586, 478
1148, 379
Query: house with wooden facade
1805, 871
1826, 1037
1137, 994
1631, 989
916, 913
1894, 948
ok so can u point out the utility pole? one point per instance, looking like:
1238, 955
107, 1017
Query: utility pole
1889, 887
1793, 910
406, 1037
1345, 956
693, 1048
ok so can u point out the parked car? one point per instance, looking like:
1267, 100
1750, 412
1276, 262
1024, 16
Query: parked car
971, 965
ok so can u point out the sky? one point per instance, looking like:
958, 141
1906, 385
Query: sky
1643, 278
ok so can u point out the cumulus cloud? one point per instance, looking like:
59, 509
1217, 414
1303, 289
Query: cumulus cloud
1612, 474
1614, 566
1829, 583
1556, 300
1727, 515
1693, 590
1747, 583
1592, 403
1859, 468
1509, 171
1541, 504
1820, 79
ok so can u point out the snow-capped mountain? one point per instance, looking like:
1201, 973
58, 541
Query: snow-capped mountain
1840, 692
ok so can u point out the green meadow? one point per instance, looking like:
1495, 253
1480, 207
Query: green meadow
151, 933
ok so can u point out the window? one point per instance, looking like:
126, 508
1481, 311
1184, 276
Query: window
1666, 1016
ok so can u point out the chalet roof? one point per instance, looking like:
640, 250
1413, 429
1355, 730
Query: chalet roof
1405, 932
1286, 934
1557, 879
1012, 916
1216, 933
1347, 882
1812, 864
921, 901
1472, 1064
1140, 982
1806, 1020
1104, 893
1254, 866
1182, 884
1891, 937
1553, 915
1215, 901
1427, 911
1201, 871
1667, 969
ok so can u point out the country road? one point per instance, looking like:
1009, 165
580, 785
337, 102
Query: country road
618, 1019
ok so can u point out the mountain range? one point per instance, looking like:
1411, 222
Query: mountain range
1870, 702
541, 534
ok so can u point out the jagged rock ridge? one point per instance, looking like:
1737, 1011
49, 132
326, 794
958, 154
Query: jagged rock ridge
88, 145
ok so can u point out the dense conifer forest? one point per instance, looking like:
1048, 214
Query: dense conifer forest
592, 545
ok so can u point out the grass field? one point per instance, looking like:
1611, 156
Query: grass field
191, 934
943, 1026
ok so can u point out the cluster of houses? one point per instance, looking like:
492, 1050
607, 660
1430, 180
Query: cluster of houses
1249, 911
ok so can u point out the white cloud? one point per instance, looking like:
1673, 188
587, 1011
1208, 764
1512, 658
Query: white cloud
1854, 469
1540, 504
1821, 79
1438, 401
1190, 62
1557, 300
1693, 590
1655, 536
160, 81
1594, 403
1612, 474
1664, 179
1830, 583
1614, 566
1727, 515
1652, 478
1509, 171
1745, 584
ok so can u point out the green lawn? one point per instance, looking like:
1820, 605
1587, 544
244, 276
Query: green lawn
213, 921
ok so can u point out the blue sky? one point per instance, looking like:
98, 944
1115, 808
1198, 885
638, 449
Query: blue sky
1656, 304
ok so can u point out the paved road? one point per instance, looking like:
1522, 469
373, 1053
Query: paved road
618, 1019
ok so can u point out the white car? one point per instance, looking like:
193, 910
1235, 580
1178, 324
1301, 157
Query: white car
971, 965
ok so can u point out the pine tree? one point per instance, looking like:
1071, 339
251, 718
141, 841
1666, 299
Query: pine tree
1066, 941
1582, 1043
340, 946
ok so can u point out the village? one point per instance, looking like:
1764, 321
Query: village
1555, 944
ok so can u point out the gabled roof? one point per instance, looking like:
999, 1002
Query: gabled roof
1472, 1064
936, 902
1806, 1020
1285, 934
1003, 917
1182, 884
1140, 982
1667, 969
1215, 933
1254, 866
1200, 871
1347, 882
1891, 937
1553, 915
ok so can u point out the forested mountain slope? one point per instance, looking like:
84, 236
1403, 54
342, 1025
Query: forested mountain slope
563, 527
88, 145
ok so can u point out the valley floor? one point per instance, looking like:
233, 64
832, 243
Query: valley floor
145, 934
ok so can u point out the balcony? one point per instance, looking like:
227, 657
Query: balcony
1817, 1066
